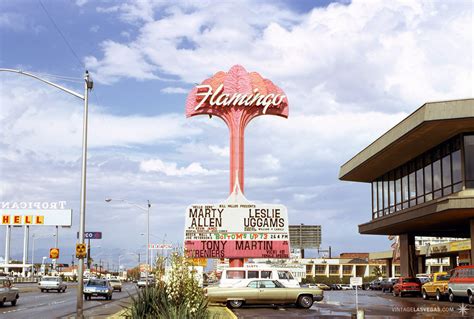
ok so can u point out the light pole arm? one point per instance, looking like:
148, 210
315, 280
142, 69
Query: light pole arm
44, 81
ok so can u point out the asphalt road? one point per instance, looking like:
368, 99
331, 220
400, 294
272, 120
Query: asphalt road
40, 305
341, 304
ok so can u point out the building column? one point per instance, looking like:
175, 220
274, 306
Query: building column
326, 270
453, 262
388, 268
421, 264
367, 271
472, 240
354, 271
340, 271
408, 263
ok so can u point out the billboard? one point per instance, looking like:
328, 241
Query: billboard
305, 236
236, 230
47, 217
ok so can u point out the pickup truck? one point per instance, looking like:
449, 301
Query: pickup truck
48, 283
438, 287
7, 292
406, 285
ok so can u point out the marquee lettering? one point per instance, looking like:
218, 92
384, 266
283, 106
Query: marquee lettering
217, 98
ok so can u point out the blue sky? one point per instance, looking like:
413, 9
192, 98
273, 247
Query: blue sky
350, 70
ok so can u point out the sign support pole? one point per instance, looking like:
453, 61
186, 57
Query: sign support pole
26, 235
7, 247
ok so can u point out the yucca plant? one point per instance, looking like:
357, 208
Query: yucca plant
177, 294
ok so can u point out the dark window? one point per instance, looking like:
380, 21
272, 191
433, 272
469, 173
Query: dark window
385, 193
456, 162
469, 160
380, 195
412, 184
252, 274
437, 175
374, 197
446, 162
265, 274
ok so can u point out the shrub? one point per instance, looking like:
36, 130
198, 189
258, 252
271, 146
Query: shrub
176, 295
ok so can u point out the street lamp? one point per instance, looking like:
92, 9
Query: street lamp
33, 251
88, 85
147, 210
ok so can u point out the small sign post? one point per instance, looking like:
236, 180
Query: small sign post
356, 281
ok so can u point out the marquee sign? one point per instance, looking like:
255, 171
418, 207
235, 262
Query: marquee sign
236, 229
20, 217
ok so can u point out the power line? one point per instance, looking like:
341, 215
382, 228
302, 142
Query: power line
61, 34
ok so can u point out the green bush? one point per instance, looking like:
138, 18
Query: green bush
176, 295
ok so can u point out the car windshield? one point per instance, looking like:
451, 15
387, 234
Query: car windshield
100, 283
444, 277
411, 280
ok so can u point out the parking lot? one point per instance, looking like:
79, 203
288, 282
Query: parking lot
341, 304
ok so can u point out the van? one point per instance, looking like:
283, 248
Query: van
241, 276
461, 283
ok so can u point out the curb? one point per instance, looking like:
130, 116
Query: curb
231, 313
120, 314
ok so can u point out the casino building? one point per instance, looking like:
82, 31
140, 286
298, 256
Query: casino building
421, 173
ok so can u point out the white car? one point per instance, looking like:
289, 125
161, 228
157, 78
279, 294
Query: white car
7, 292
48, 283
346, 287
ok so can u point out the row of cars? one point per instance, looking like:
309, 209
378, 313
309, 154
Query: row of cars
456, 284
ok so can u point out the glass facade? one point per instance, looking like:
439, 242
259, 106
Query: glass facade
434, 174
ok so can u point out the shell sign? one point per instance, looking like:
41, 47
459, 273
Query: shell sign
54, 253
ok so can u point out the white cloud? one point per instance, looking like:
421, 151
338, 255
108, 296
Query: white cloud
261, 181
175, 90
12, 21
357, 56
172, 169
221, 151
42, 120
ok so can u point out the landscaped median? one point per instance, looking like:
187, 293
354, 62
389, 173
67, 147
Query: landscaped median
215, 312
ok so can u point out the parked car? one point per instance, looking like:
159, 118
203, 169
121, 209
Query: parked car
320, 286
98, 288
116, 284
8, 293
48, 283
461, 283
375, 284
142, 282
335, 286
387, 284
437, 287
242, 276
407, 285
264, 292
346, 287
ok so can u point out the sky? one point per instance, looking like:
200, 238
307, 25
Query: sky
351, 71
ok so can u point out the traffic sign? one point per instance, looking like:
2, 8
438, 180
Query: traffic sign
81, 250
91, 235
54, 253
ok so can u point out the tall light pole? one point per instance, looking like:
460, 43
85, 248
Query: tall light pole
147, 210
33, 251
88, 85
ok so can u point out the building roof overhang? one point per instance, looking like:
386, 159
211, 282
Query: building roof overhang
446, 217
430, 125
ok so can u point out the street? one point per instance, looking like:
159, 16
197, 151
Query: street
341, 304
40, 305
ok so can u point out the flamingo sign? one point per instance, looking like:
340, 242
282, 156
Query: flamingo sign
236, 228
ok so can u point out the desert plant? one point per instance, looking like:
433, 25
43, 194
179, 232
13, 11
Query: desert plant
176, 294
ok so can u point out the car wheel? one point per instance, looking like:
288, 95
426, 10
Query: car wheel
424, 295
14, 302
383, 290
42, 290
305, 301
439, 297
235, 303
451, 296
